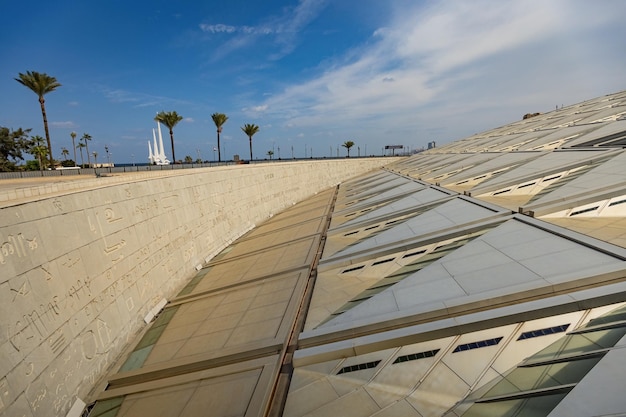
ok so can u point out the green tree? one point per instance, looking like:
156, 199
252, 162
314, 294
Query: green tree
31, 165
188, 159
86, 138
219, 119
41, 84
65, 153
348, 144
169, 119
80, 147
38, 150
250, 130
12, 144
270, 153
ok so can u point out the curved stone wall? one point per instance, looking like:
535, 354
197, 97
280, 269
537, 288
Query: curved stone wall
81, 270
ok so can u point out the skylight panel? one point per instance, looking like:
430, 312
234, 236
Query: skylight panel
359, 367
543, 332
477, 345
416, 356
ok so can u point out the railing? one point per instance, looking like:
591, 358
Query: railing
70, 171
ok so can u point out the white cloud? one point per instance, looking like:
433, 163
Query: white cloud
217, 28
64, 125
137, 99
437, 62
285, 29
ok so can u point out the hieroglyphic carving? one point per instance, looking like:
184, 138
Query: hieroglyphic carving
17, 245
114, 247
57, 341
169, 201
38, 398
96, 227
151, 206
57, 204
88, 344
82, 288
34, 325
110, 217
4, 392
21, 291
70, 261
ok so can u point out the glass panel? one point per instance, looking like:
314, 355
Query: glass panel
581, 343
106, 408
616, 315
537, 377
136, 359
527, 407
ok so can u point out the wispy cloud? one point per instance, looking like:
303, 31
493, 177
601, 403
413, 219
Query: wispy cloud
283, 29
448, 52
137, 99
218, 28
64, 125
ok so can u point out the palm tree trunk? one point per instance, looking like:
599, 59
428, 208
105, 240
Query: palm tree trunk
88, 157
250, 148
219, 148
172, 140
45, 128
74, 146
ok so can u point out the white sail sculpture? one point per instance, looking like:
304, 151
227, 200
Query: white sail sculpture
157, 157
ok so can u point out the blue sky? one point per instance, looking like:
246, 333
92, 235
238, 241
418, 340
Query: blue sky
311, 73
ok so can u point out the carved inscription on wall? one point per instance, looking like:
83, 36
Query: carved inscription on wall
17, 245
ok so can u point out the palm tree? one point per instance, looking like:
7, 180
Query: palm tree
270, 153
41, 84
86, 138
169, 119
39, 150
65, 153
348, 144
250, 130
73, 135
80, 147
219, 119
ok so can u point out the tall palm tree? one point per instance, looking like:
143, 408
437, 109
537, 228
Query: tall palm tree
73, 135
169, 119
219, 119
80, 147
348, 144
65, 153
86, 138
250, 130
41, 84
